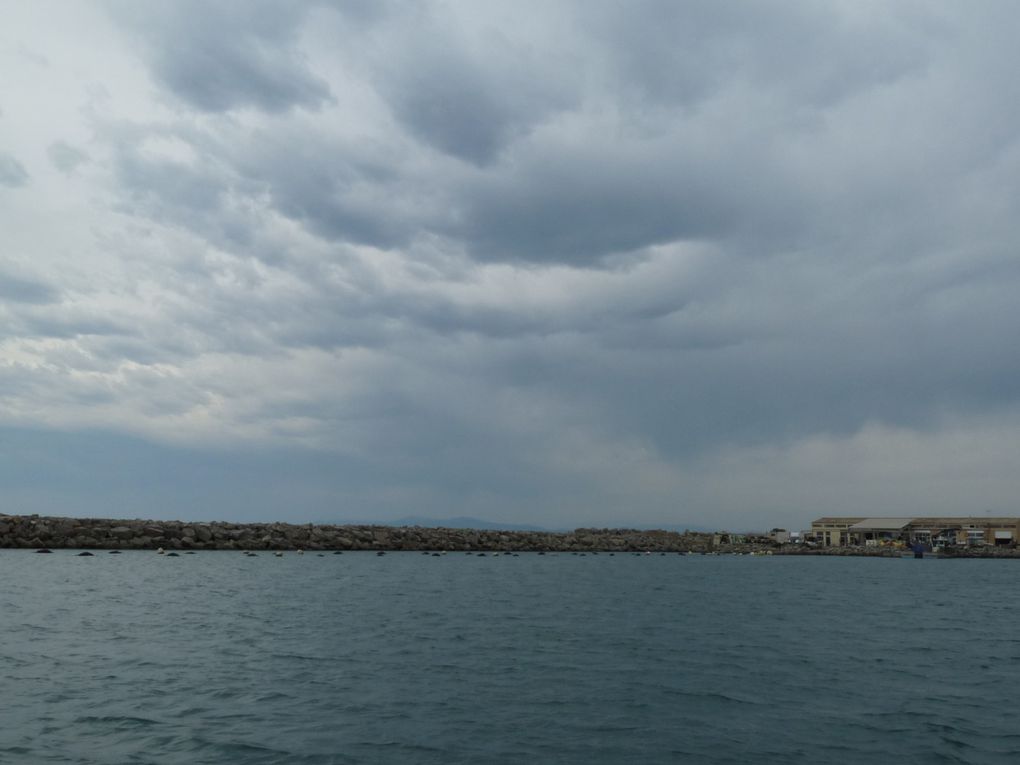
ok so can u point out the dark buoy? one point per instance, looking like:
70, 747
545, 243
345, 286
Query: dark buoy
190, 552
338, 552
85, 554
44, 550
172, 555
381, 553
114, 552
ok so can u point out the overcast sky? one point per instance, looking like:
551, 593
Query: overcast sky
726, 264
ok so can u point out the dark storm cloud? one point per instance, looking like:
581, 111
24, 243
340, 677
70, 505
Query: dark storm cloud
572, 172
221, 56
469, 105
12, 172
648, 124
341, 192
575, 205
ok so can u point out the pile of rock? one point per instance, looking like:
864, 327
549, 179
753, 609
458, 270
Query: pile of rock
87, 533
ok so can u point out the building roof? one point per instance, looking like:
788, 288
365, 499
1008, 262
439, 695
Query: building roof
966, 520
881, 524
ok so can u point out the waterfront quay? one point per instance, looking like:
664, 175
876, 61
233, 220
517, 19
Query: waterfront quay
949, 533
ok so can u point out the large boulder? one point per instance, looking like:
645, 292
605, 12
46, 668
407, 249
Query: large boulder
122, 532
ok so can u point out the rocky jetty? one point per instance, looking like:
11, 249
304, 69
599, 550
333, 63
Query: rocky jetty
38, 532
122, 534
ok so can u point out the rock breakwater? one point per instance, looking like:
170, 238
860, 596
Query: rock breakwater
35, 531
122, 534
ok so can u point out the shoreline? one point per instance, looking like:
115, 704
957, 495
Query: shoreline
35, 531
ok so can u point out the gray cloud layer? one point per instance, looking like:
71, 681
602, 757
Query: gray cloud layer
566, 263
221, 56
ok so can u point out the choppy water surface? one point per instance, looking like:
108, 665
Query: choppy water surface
220, 658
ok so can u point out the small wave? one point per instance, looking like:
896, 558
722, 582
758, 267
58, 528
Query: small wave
192, 712
117, 721
295, 656
224, 693
713, 695
273, 696
944, 728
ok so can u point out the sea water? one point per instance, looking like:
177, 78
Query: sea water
221, 658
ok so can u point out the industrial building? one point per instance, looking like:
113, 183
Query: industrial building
954, 531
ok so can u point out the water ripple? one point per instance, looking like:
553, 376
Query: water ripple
349, 659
